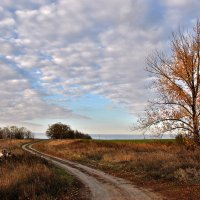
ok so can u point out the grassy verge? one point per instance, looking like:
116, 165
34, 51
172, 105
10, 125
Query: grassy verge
162, 166
25, 176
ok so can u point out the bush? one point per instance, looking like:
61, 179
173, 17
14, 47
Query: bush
63, 131
187, 141
179, 139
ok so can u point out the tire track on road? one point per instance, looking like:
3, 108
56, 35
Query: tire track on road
101, 185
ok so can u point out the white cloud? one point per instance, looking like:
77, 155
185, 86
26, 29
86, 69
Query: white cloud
71, 47
7, 22
19, 102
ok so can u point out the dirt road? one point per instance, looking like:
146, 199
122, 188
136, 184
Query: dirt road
102, 186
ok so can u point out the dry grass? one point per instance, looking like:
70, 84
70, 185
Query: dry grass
12, 144
168, 163
24, 176
159, 161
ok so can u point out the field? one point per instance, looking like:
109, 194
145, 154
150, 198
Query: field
24, 176
163, 166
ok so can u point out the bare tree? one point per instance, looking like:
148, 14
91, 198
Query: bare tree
14, 132
177, 81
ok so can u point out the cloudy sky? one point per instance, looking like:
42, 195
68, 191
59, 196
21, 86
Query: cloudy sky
82, 62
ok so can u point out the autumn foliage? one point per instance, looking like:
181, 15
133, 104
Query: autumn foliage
177, 82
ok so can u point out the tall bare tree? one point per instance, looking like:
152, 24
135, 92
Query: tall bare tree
177, 81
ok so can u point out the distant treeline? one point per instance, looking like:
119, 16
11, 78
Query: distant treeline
63, 131
14, 132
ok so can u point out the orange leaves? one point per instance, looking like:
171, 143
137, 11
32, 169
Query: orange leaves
177, 82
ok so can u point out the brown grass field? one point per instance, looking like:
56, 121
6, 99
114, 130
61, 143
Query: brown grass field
24, 176
165, 167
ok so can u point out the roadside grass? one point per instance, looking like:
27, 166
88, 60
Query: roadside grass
11, 144
160, 164
25, 176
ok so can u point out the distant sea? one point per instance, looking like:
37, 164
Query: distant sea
128, 137
115, 136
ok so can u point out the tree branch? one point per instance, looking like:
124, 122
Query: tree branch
163, 120
173, 103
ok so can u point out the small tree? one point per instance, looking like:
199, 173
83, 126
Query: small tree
177, 81
57, 131
1, 133
63, 131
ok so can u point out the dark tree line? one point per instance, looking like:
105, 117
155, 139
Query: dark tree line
14, 132
63, 131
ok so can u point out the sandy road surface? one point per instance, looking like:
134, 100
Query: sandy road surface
102, 186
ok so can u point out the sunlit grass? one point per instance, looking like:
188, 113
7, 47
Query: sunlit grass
25, 176
157, 159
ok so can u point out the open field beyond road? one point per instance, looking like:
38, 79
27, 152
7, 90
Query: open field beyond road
165, 167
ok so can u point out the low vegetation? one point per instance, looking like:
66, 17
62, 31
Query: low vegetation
25, 176
164, 166
63, 131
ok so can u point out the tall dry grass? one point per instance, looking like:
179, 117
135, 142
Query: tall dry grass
168, 161
25, 176
11, 144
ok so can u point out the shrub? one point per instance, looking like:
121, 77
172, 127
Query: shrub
63, 131
179, 138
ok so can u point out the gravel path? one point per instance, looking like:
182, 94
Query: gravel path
102, 186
